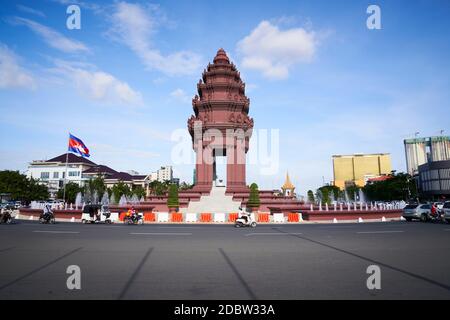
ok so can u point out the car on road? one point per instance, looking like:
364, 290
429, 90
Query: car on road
446, 209
417, 212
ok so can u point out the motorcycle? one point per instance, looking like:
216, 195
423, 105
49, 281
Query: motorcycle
47, 218
437, 217
133, 219
6, 216
245, 221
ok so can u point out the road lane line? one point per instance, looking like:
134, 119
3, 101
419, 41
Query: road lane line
270, 234
238, 275
178, 227
162, 233
135, 273
377, 262
375, 232
42, 231
40, 268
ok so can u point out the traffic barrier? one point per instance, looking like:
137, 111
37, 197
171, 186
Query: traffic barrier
205, 217
335, 220
191, 217
278, 218
73, 219
360, 220
177, 217
219, 217
293, 217
114, 216
232, 217
163, 217
122, 216
383, 219
263, 217
149, 216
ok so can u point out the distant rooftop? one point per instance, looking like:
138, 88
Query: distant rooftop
71, 158
360, 155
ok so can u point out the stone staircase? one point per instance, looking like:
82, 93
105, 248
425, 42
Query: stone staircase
216, 202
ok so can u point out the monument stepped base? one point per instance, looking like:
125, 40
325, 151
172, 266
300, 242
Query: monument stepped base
216, 202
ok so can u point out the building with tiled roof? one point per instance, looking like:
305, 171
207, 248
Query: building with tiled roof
52, 173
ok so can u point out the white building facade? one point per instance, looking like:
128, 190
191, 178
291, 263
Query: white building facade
52, 173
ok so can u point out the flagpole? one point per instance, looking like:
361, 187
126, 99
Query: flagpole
65, 175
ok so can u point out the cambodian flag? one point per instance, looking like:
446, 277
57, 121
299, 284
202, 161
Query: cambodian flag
77, 146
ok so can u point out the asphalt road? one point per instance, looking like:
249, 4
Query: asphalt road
323, 261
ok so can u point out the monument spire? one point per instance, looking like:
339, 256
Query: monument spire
221, 105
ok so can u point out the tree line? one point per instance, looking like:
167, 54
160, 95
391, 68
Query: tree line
399, 186
21, 188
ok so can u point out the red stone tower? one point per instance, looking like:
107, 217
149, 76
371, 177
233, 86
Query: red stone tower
221, 125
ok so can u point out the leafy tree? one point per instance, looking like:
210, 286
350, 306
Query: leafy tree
139, 191
253, 199
172, 200
185, 186
21, 188
96, 185
352, 191
72, 190
158, 188
399, 186
311, 196
327, 191
121, 189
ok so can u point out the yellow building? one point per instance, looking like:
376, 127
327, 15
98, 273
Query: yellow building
358, 168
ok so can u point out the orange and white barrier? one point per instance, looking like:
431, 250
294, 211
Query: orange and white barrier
232, 217
149, 217
191, 217
206, 217
278, 218
176, 217
293, 217
163, 217
263, 217
219, 217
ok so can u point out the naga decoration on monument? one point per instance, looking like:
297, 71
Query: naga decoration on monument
220, 125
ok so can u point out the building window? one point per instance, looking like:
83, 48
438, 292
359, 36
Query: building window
45, 175
74, 173
55, 175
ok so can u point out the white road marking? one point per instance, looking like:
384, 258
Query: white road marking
271, 234
372, 232
179, 227
41, 231
162, 233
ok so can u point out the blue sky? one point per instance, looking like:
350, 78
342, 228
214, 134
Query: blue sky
124, 82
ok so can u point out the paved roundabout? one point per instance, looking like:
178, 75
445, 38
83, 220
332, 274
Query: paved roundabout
162, 261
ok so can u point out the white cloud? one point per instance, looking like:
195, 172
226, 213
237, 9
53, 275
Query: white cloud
98, 85
180, 95
12, 75
134, 26
53, 38
30, 10
273, 51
